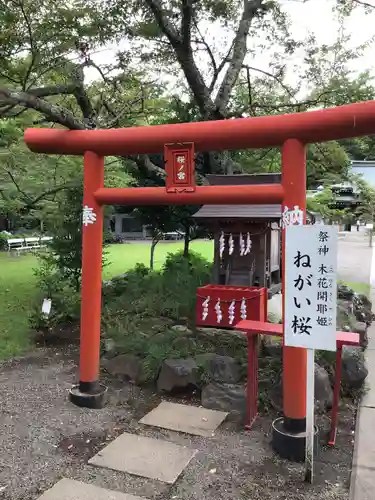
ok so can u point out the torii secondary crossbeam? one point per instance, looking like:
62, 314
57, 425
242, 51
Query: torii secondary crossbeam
180, 141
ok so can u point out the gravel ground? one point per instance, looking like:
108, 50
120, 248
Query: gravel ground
44, 438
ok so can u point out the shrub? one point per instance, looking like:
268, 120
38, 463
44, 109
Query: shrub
3, 241
60, 269
111, 238
65, 298
139, 307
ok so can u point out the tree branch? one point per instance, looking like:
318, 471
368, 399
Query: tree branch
82, 98
164, 24
52, 90
275, 77
146, 166
32, 202
50, 192
32, 45
364, 4
210, 55
187, 14
12, 178
185, 57
250, 10
54, 113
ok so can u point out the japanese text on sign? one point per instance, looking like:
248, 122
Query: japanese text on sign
310, 287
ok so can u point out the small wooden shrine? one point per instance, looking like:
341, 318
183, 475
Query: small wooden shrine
247, 237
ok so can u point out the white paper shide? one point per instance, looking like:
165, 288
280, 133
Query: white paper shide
310, 287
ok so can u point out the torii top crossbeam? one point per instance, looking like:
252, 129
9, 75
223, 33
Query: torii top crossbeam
352, 120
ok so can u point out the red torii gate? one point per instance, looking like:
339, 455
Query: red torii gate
291, 132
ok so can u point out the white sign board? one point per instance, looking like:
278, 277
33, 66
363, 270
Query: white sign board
46, 307
310, 287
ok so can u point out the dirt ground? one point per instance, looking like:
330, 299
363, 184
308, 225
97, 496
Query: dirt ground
43, 438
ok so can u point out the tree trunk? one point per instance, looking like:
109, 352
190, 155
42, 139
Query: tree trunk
186, 243
154, 242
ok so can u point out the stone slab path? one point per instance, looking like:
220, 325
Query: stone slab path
142, 456
68, 489
146, 457
184, 418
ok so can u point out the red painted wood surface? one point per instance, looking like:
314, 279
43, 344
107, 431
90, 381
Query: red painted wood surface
293, 167
203, 195
92, 235
255, 299
180, 168
264, 328
252, 329
352, 120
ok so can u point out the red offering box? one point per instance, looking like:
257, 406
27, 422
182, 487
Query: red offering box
254, 298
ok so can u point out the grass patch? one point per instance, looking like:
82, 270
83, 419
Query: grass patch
18, 286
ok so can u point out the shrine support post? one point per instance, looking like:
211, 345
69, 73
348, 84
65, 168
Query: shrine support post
89, 393
288, 434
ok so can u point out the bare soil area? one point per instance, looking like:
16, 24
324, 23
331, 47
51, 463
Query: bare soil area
43, 438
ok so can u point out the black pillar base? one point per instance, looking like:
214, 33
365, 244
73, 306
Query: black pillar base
290, 443
88, 395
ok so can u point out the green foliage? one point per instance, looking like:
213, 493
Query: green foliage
169, 293
320, 203
60, 268
139, 308
3, 241
65, 253
66, 300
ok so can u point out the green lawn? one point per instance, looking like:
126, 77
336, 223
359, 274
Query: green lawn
18, 285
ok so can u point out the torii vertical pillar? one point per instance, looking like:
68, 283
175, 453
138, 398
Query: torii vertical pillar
89, 393
288, 433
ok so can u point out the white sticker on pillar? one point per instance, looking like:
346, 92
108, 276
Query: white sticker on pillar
292, 217
88, 216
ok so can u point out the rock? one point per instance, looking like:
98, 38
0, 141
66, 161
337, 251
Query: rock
346, 306
217, 336
272, 346
109, 347
344, 315
182, 343
354, 370
125, 365
230, 398
275, 394
219, 368
178, 374
183, 329
362, 309
366, 302
344, 292
361, 328
323, 390
273, 317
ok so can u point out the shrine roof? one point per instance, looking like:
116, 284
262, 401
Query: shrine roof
243, 179
247, 212
239, 212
